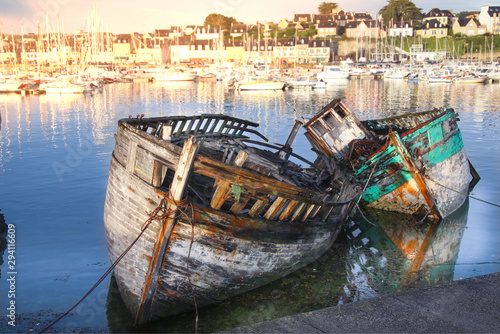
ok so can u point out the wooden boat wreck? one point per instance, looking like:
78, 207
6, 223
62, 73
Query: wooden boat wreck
414, 163
254, 215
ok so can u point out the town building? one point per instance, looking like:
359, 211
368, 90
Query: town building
303, 18
238, 29
326, 29
401, 29
122, 47
446, 17
322, 50
433, 28
369, 28
490, 18
180, 49
284, 51
468, 24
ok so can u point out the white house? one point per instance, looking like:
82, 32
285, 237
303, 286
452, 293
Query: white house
404, 29
490, 18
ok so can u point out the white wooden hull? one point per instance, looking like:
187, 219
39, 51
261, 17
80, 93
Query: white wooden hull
64, 89
9, 87
465, 81
244, 230
266, 85
165, 77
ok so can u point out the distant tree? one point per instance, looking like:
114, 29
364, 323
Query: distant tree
327, 7
219, 20
274, 29
400, 10
467, 12
311, 31
253, 32
290, 32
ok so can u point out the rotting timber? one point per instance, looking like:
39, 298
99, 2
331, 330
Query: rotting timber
413, 163
253, 215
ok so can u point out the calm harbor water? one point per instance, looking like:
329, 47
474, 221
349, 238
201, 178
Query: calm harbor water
54, 159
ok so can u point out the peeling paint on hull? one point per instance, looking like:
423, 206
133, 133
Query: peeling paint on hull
442, 161
406, 163
229, 250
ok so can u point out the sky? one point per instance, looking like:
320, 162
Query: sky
126, 16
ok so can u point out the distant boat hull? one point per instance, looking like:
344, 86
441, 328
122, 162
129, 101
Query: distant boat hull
163, 77
76, 89
333, 73
467, 80
9, 87
261, 85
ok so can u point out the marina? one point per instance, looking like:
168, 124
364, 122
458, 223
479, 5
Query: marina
57, 147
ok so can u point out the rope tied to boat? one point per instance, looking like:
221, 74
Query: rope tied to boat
366, 185
459, 192
159, 213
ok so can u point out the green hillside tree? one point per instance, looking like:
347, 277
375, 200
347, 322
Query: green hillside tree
327, 7
400, 10
219, 20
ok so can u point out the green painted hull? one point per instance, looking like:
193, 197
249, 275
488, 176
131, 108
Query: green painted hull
436, 147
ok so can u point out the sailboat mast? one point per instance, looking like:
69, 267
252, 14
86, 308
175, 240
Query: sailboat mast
23, 55
14, 49
1, 48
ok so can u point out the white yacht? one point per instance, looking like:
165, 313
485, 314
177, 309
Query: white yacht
333, 72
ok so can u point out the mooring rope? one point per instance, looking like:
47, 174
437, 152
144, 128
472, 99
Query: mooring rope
288, 104
160, 213
366, 185
371, 173
459, 192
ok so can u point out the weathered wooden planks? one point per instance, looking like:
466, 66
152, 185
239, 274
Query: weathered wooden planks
233, 242
175, 195
222, 187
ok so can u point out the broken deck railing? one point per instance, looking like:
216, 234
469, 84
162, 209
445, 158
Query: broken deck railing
179, 128
402, 122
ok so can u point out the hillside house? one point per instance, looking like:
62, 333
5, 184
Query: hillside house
490, 18
370, 28
433, 28
401, 29
467, 24
446, 17
327, 29
321, 51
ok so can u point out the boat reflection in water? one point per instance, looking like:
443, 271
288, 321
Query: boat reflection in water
405, 252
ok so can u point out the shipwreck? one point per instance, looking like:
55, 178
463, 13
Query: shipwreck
413, 163
212, 212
